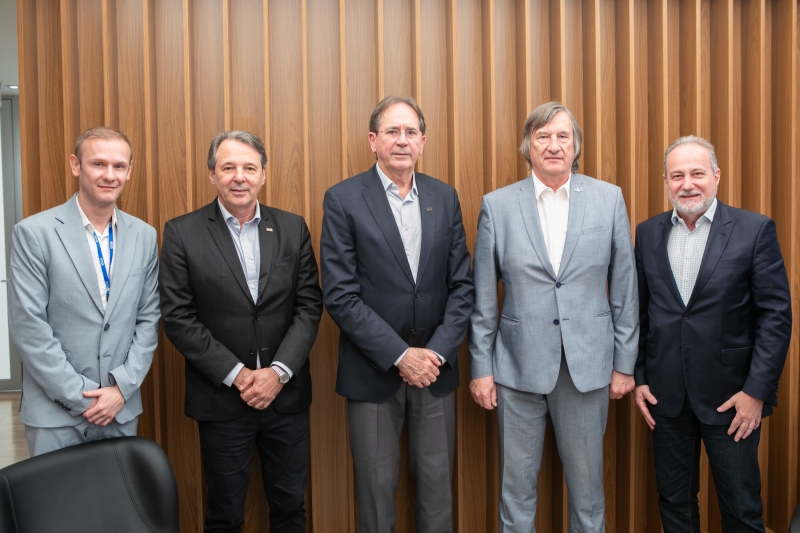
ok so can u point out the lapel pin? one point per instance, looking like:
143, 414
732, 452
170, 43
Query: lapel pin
268, 229
430, 209
578, 190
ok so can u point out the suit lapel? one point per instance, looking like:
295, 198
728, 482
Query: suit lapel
73, 235
222, 238
265, 240
717, 241
428, 221
577, 206
124, 252
530, 216
661, 251
375, 197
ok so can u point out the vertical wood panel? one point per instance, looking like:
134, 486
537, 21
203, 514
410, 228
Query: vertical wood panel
304, 76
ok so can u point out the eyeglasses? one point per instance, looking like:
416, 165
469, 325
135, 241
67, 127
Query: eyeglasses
395, 133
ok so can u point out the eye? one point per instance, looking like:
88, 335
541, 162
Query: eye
411, 133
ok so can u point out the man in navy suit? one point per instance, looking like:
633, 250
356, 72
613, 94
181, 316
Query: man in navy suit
716, 320
396, 280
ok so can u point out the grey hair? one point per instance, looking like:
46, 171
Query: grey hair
383, 105
542, 116
235, 135
692, 139
100, 132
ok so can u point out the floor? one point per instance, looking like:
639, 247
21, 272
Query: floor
12, 438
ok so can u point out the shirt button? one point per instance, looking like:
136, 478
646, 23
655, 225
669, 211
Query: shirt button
556, 322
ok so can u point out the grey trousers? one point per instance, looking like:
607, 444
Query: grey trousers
43, 440
579, 420
375, 444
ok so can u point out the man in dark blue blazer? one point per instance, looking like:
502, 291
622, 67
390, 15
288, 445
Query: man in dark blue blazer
716, 319
397, 281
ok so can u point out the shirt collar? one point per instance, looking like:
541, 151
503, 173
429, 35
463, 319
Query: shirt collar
85, 219
540, 187
709, 214
387, 183
227, 214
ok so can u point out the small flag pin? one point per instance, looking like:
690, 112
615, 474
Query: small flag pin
578, 190
430, 209
268, 229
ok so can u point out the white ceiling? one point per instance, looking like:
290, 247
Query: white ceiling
9, 72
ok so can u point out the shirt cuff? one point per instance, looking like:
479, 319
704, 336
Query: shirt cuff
283, 367
441, 359
232, 375
401, 357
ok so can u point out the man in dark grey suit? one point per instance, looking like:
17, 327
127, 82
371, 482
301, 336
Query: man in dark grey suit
397, 282
566, 337
83, 304
241, 302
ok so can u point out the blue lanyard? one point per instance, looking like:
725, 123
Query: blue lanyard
110, 256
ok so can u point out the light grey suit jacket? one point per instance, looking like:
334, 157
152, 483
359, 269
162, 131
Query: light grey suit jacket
67, 343
521, 347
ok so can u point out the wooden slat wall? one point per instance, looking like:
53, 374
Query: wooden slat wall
304, 76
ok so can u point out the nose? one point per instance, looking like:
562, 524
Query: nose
552, 144
109, 173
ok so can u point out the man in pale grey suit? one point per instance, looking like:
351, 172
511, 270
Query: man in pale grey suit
83, 304
566, 338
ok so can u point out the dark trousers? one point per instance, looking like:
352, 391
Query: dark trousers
734, 467
282, 441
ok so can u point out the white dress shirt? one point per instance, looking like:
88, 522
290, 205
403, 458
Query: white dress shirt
104, 247
686, 247
553, 216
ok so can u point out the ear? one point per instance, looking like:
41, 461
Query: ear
75, 165
372, 137
211, 176
422, 144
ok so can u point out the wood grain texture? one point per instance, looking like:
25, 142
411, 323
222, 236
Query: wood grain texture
305, 75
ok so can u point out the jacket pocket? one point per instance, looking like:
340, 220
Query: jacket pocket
604, 313
739, 261
736, 356
509, 319
442, 233
282, 262
596, 229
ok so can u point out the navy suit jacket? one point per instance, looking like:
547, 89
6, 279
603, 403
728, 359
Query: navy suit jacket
732, 335
371, 294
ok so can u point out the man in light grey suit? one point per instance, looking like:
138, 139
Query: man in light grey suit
83, 304
566, 338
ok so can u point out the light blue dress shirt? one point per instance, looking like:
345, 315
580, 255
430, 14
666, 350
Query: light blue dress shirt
248, 248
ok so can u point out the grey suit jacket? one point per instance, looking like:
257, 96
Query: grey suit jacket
67, 343
521, 346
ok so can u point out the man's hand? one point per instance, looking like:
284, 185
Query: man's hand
621, 384
419, 367
643, 397
263, 389
484, 392
748, 414
108, 401
243, 379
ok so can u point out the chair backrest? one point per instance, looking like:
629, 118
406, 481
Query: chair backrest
123, 485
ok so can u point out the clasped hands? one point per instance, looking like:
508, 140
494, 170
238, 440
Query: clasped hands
258, 388
107, 403
419, 367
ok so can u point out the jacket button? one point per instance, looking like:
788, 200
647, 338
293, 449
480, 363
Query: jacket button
686, 316
417, 295
412, 331
258, 317
556, 322
252, 352
558, 285
105, 328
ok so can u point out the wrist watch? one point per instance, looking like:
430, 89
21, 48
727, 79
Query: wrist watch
283, 376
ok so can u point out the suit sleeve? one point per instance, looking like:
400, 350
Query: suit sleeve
130, 375
448, 336
41, 353
179, 312
773, 315
640, 372
341, 288
623, 291
297, 342
483, 322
